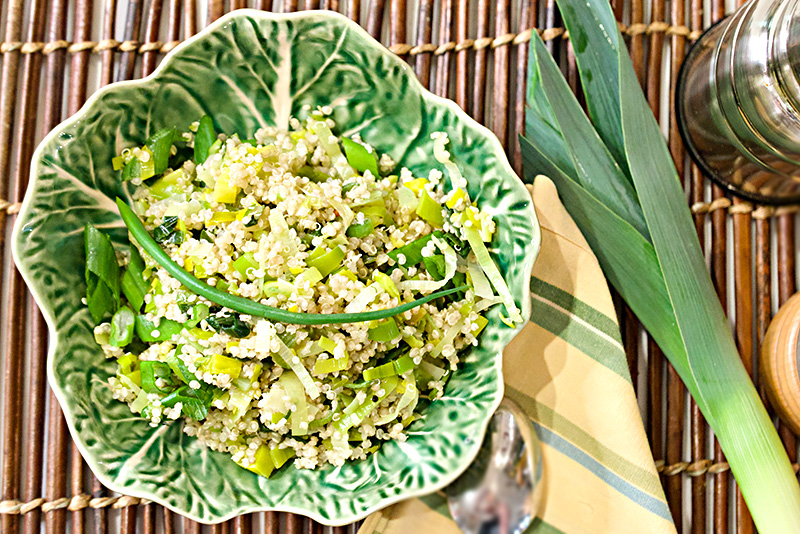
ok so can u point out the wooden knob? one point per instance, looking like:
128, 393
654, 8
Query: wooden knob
779, 363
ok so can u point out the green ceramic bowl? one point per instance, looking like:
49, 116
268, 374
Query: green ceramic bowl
247, 70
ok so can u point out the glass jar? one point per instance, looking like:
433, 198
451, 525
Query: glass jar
738, 102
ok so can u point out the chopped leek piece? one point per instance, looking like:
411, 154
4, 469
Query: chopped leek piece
224, 191
430, 210
435, 266
245, 265
393, 368
294, 389
481, 322
353, 415
417, 184
160, 145
222, 217
386, 282
326, 344
327, 262
492, 273
280, 455
166, 186
413, 251
127, 363
296, 364
384, 331
219, 364
262, 464
151, 372
134, 285
330, 365
122, 327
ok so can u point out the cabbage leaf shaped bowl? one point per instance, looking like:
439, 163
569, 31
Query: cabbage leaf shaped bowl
248, 70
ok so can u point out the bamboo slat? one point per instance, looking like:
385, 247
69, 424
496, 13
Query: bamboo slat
474, 51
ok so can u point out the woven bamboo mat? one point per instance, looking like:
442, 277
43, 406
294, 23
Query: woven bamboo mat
56, 52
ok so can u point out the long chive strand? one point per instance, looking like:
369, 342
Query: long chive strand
250, 307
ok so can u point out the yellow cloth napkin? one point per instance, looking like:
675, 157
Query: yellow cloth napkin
567, 369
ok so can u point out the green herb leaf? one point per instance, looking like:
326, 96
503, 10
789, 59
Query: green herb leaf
360, 158
134, 285
160, 144
229, 323
205, 136
167, 232
151, 372
102, 274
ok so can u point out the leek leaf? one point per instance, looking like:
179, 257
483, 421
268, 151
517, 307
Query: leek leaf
577, 136
663, 276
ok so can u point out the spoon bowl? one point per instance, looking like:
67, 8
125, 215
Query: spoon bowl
500, 490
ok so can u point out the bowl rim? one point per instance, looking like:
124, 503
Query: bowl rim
24, 213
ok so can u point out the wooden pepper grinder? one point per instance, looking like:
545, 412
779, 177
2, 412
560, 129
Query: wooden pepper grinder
780, 362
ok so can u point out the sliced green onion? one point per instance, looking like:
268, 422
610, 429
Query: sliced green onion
122, 327
360, 157
203, 139
492, 273
247, 306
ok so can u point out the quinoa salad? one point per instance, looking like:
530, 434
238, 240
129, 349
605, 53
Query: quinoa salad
292, 298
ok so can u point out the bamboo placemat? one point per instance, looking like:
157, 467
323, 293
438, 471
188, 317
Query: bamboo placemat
473, 51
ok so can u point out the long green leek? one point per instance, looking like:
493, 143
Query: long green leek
617, 179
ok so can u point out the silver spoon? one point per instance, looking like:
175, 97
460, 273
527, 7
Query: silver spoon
499, 491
